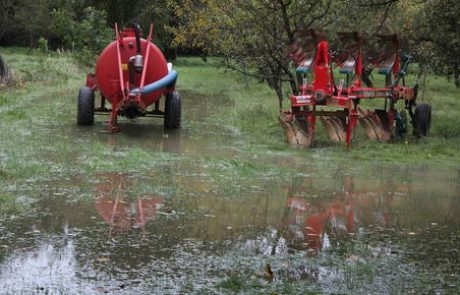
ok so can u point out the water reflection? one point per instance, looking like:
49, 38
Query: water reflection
313, 224
153, 136
120, 209
51, 266
172, 230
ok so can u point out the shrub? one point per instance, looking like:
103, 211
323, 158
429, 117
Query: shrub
43, 44
86, 36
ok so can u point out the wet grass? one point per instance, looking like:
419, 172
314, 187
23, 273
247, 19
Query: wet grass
42, 103
40, 139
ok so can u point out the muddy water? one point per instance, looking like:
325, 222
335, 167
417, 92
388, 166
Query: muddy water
211, 222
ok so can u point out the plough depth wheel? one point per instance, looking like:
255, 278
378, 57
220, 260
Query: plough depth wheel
422, 119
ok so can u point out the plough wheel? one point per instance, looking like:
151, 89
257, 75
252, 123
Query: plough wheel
422, 118
373, 124
296, 131
335, 128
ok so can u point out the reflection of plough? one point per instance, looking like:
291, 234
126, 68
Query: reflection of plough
337, 104
114, 206
311, 224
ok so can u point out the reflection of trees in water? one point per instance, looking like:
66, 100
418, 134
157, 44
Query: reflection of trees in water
458, 180
409, 216
152, 134
311, 217
436, 248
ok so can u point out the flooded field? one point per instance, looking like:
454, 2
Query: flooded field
202, 211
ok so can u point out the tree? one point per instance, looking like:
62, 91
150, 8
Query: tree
250, 34
88, 35
24, 21
439, 34
6, 16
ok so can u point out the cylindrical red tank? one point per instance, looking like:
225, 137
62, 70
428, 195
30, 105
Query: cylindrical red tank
107, 72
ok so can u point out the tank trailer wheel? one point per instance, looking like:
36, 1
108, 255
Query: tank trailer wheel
4, 73
172, 119
3, 69
85, 112
422, 119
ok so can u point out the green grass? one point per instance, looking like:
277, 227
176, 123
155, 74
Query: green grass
40, 138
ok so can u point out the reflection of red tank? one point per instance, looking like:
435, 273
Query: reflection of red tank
311, 222
115, 207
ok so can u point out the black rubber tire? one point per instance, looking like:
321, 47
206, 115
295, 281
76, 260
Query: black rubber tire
422, 118
5, 77
173, 112
85, 112
2, 68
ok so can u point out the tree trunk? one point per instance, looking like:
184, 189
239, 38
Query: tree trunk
293, 83
31, 43
279, 93
457, 77
287, 23
425, 74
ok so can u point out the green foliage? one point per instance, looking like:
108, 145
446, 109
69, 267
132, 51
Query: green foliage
442, 21
87, 36
43, 45
251, 35
160, 15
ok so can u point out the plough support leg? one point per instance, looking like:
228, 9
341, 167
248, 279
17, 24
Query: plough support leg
114, 127
352, 120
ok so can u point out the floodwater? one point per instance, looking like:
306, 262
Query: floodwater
208, 221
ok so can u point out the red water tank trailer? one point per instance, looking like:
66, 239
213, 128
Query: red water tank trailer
131, 74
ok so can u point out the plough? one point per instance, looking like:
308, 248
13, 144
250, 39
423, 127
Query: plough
332, 85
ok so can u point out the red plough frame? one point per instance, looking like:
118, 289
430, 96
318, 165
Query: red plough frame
336, 103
